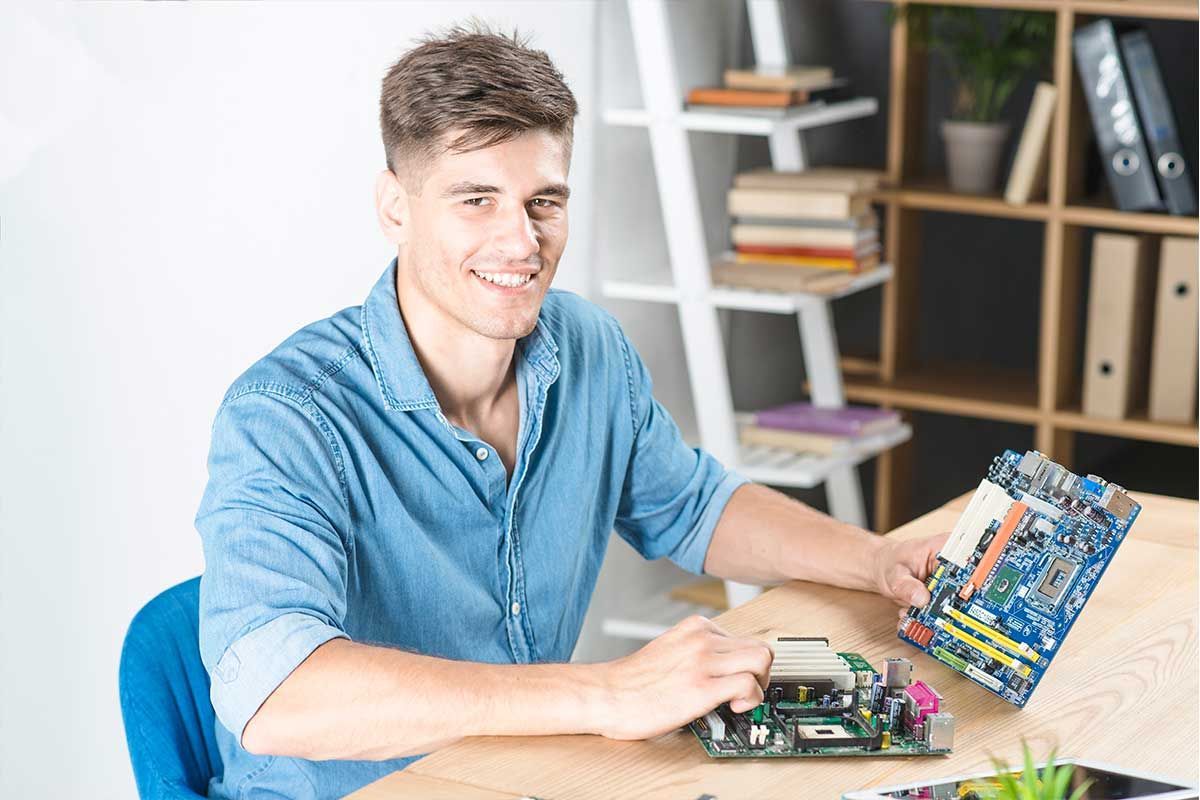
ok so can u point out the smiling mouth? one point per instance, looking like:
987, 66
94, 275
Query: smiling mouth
509, 280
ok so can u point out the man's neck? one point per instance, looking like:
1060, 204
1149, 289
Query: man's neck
469, 373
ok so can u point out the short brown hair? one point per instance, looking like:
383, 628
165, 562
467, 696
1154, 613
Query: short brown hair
492, 86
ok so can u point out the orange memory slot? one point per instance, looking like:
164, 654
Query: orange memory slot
993, 552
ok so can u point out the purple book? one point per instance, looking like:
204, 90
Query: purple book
848, 421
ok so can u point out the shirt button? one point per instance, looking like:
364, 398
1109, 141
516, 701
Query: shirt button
516, 609
481, 453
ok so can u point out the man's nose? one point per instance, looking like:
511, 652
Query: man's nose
513, 236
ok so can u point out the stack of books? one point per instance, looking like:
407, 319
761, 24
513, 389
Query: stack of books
768, 91
809, 231
804, 428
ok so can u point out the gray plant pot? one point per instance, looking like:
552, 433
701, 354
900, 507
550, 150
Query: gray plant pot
973, 151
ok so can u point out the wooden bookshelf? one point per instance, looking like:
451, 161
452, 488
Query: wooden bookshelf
1047, 398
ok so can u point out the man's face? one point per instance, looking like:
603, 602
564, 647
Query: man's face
485, 234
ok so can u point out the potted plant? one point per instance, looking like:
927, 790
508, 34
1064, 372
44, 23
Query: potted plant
1052, 783
986, 67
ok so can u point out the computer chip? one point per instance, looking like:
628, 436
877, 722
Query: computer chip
1003, 585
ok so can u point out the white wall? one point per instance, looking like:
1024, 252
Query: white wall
181, 186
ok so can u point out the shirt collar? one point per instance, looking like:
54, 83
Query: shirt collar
401, 380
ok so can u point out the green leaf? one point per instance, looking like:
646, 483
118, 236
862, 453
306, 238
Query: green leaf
1048, 779
1083, 787
1029, 776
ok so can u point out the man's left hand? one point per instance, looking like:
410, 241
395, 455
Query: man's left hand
902, 567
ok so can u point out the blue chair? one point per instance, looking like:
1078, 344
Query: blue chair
164, 698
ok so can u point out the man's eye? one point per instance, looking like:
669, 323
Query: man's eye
549, 203
474, 201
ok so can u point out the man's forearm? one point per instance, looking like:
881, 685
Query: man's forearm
355, 701
765, 536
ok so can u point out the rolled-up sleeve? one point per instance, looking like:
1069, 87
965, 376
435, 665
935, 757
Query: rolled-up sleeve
274, 525
673, 494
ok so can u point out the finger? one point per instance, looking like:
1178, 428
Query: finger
725, 643
936, 543
909, 591
754, 660
695, 622
741, 691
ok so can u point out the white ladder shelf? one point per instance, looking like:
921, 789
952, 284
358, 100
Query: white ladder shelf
691, 289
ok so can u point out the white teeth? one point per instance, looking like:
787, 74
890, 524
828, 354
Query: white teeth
505, 278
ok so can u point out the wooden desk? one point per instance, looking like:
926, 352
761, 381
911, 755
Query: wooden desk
1123, 690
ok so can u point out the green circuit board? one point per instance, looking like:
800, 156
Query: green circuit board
819, 704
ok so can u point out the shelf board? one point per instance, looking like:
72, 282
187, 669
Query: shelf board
778, 467
936, 195
1095, 215
737, 298
801, 118
1162, 9
961, 389
1137, 426
1165, 9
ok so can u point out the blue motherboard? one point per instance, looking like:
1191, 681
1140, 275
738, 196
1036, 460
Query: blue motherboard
1020, 564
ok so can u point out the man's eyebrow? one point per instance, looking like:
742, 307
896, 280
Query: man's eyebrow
470, 187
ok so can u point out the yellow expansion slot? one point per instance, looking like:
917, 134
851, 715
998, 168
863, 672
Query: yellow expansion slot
996, 636
987, 649
941, 568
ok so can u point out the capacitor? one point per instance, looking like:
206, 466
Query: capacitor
876, 694
894, 715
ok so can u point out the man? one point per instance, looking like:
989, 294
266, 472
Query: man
409, 501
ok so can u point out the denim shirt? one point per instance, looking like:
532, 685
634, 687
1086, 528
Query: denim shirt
342, 502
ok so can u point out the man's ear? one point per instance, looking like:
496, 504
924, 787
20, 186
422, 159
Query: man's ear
391, 207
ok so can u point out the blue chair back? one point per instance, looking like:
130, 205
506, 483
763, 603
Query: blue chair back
165, 698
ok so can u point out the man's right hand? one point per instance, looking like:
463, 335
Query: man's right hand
683, 674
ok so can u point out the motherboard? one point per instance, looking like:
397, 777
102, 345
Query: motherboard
1020, 564
822, 703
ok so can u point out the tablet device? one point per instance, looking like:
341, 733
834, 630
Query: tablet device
1108, 783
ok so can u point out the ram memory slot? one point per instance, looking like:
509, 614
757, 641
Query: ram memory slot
985, 648
996, 636
945, 656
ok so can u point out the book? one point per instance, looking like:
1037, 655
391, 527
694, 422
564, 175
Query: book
792, 204
802, 236
1119, 132
778, 77
1027, 179
1118, 314
716, 95
779, 277
1173, 366
752, 111
847, 421
1158, 122
862, 250
864, 221
836, 179
849, 264
796, 441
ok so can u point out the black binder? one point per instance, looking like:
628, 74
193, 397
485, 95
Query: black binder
1158, 123
1114, 117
